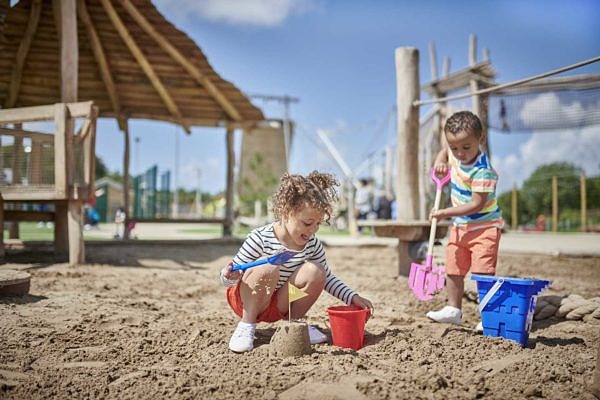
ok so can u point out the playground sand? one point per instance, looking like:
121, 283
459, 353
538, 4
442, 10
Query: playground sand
151, 321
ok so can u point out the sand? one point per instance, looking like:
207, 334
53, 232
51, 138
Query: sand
151, 321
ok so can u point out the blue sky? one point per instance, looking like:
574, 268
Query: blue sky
337, 57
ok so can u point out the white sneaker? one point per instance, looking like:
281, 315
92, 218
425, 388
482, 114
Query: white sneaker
243, 337
447, 315
479, 327
315, 335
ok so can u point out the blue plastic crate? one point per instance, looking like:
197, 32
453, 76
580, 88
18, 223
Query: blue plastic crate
508, 311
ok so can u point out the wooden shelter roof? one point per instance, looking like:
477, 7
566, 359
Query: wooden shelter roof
133, 63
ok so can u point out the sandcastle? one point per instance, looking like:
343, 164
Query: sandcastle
290, 340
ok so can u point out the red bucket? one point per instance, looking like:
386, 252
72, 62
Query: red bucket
348, 326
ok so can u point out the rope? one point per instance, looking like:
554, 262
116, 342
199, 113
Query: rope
572, 307
506, 85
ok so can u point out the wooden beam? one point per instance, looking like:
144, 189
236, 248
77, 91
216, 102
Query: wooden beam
22, 52
482, 71
31, 216
38, 136
69, 51
29, 193
143, 62
43, 113
580, 82
100, 57
223, 101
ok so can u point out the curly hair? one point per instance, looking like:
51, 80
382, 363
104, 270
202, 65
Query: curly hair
317, 190
464, 121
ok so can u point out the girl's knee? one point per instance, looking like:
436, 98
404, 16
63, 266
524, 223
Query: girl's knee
312, 272
261, 272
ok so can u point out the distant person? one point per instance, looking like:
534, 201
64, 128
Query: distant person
363, 201
382, 205
120, 217
474, 237
260, 294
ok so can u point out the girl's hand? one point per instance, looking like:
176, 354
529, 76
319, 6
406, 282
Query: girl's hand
363, 303
441, 169
231, 275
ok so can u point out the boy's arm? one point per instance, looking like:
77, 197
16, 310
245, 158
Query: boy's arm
476, 204
441, 162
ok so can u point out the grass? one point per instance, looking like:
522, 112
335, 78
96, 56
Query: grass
31, 231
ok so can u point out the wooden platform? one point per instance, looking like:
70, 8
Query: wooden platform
406, 232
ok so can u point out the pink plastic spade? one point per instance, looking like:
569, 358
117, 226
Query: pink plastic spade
427, 280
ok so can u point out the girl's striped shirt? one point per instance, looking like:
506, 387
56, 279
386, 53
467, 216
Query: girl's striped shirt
262, 242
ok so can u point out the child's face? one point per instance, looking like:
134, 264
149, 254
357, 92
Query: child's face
302, 225
464, 146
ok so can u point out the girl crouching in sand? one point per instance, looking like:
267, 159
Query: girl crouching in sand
259, 294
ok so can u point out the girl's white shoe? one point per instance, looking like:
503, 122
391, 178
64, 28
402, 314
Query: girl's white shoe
243, 337
315, 335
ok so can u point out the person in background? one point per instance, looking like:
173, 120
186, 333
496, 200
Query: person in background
363, 201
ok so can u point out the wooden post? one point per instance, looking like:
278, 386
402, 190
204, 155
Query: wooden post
75, 222
228, 225
1, 229
61, 233
69, 67
407, 92
583, 194
407, 179
514, 208
479, 103
126, 180
554, 204
69, 50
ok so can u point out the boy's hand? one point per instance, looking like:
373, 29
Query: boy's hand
231, 275
441, 169
363, 303
438, 214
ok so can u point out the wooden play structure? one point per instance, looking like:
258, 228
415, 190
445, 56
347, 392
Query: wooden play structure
58, 170
413, 185
126, 58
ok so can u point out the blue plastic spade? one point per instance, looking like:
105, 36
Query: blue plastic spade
276, 259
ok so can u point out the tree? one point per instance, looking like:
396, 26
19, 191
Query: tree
259, 187
101, 168
537, 189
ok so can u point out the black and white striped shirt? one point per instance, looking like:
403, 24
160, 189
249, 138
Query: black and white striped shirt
262, 242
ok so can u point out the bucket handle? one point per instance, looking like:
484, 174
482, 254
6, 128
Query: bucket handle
488, 296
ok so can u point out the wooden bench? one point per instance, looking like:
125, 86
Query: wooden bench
406, 232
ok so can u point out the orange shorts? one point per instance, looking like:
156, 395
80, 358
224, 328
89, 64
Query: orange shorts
270, 314
475, 250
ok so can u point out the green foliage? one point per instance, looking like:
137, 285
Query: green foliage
537, 189
260, 188
101, 168
535, 197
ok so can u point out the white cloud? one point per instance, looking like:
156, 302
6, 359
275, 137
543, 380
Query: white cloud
262, 13
580, 147
539, 108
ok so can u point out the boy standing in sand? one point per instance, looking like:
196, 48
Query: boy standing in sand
260, 293
474, 238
